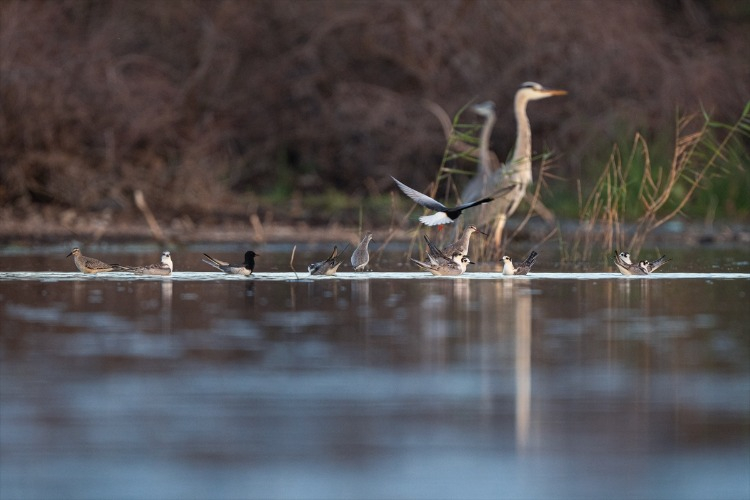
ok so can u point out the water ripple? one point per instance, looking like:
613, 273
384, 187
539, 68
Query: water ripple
351, 276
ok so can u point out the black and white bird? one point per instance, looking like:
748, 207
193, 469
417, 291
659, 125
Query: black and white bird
443, 215
522, 268
627, 267
244, 269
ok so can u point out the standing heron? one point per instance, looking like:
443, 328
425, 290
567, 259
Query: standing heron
517, 172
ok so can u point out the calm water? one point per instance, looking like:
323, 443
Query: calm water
394, 385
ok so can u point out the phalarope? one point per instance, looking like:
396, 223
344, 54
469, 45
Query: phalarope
623, 262
326, 267
446, 268
440, 257
522, 268
361, 256
163, 268
444, 215
626, 266
442, 264
461, 245
90, 265
245, 269
650, 267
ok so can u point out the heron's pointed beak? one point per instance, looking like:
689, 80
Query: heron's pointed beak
482, 232
555, 92
71, 253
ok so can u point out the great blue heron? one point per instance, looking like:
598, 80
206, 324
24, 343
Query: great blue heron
517, 172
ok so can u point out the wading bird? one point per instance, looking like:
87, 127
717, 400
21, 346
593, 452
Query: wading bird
326, 267
244, 269
461, 245
517, 172
90, 265
522, 268
441, 263
361, 256
626, 266
163, 268
450, 268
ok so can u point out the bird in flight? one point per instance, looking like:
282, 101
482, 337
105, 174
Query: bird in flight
443, 214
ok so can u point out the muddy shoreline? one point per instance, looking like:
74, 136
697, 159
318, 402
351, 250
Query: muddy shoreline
39, 229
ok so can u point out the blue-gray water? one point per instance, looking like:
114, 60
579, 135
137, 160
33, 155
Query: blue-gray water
379, 385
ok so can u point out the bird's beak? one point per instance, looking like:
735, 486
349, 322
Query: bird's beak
482, 232
470, 262
71, 253
555, 92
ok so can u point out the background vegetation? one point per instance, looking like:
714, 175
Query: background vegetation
300, 109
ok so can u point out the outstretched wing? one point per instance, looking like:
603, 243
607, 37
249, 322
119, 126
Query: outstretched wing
471, 204
334, 254
659, 262
433, 250
420, 198
214, 262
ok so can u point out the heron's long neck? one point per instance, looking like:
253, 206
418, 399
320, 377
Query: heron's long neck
522, 150
484, 144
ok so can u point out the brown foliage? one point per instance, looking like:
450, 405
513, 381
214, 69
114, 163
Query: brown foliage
192, 101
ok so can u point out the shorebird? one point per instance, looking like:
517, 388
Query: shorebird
650, 267
443, 215
361, 256
523, 268
626, 266
461, 245
440, 257
90, 265
443, 264
245, 269
326, 267
163, 268
446, 268
623, 262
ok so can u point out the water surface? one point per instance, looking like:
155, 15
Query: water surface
375, 385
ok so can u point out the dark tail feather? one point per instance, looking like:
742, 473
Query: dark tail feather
531, 258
